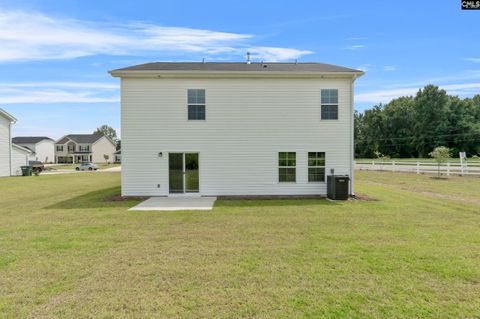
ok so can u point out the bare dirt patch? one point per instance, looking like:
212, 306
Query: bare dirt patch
120, 198
365, 197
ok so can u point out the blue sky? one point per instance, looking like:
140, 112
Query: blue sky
54, 55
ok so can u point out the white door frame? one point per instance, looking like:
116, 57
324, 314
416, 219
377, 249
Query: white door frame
184, 193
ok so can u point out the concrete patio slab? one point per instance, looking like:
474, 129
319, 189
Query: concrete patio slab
176, 203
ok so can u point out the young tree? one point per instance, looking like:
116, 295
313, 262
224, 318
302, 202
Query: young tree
106, 157
441, 154
107, 131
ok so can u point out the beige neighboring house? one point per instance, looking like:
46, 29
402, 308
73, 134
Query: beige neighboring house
12, 156
42, 147
84, 148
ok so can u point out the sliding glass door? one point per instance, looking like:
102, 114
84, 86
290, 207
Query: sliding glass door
183, 173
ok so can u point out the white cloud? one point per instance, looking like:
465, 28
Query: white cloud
28, 36
276, 54
389, 68
85, 85
355, 47
58, 92
385, 96
364, 67
474, 60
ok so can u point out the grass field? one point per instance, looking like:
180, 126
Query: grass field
65, 252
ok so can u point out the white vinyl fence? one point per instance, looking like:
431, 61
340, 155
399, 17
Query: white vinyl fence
420, 167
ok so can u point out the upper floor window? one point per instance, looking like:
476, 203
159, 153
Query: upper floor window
316, 166
71, 148
196, 104
84, 148
287, 163
59, 148
329, 101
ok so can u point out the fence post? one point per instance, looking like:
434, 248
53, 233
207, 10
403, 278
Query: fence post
448, 168
393, 166
418, 167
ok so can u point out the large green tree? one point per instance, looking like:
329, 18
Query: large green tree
430, 119
414, 126
107, 131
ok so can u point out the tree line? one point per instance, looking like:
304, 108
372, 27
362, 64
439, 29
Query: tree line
412, 126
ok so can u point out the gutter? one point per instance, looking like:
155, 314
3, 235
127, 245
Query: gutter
166, 74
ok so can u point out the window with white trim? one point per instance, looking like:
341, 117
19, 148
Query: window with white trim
329, 104
196, 104
316, 166
59, 148
287, 171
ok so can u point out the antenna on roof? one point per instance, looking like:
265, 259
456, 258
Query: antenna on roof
248, 58
203, 60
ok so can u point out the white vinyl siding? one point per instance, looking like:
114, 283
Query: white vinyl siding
43, 151
19, 159
249, 122
4, 146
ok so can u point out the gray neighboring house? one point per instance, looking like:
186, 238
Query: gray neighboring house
117, 156
83, 148
42, 148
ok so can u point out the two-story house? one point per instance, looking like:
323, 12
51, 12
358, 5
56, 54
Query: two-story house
235, 128
81, 148
42, 148
12, 156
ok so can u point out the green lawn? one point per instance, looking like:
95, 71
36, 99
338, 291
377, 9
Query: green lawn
65, 252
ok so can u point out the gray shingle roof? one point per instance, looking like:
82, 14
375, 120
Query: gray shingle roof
81, 138
29, 139
238, 67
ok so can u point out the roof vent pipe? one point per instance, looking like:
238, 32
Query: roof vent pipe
248, 58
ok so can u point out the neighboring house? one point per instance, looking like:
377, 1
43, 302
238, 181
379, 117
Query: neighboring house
12, 156
42, 148
235, 128
6, 121
118, 156
81, 148
20, 157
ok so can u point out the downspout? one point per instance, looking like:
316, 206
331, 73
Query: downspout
352, 138
10, 148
